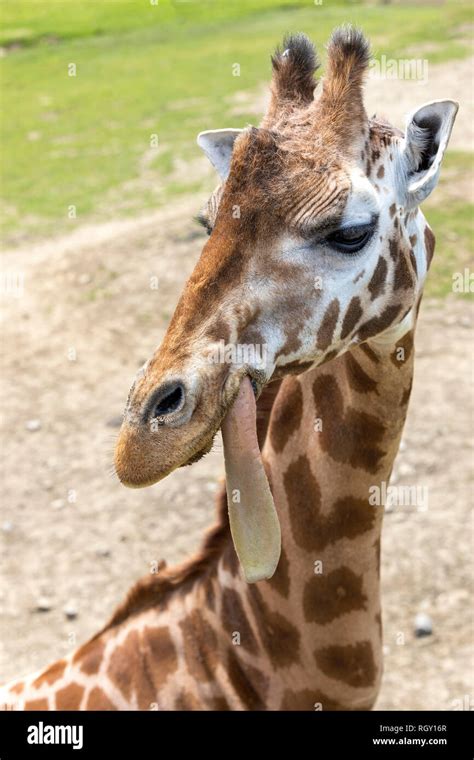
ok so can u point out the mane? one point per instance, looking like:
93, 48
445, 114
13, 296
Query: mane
153, 590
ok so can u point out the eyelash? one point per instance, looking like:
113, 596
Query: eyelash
351, 246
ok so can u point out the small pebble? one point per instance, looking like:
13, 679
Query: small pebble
423, 625
43, 605
7, 526
70, 611
33, 425
84, 278
58, 504
103, 552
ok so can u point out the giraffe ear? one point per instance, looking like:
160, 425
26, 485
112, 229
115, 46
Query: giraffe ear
427, 135
218, 144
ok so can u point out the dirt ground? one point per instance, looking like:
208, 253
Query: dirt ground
95, 305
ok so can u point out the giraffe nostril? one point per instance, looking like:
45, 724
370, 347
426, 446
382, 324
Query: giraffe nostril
167, 400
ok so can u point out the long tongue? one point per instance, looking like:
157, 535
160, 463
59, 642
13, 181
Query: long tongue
253, 519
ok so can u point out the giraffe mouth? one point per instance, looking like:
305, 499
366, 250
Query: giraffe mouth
257, 383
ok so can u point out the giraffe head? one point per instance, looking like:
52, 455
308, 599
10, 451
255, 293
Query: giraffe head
315, 244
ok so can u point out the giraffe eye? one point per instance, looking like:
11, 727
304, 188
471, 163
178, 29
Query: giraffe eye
351, 239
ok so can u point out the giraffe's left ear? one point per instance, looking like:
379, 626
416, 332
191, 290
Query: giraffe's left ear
218, 145
426, 139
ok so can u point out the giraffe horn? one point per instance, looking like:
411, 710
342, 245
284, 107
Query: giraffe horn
340, 106
293, 82
252, 515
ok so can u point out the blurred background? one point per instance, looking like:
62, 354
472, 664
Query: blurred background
101, 178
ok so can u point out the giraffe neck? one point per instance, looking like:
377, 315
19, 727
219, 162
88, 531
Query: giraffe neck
315, 635
310, 638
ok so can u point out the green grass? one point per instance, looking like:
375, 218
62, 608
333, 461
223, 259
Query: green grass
31, 22
142, 70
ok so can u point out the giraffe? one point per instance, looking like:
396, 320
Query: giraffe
317, 252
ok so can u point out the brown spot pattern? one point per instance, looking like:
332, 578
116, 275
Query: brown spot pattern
327, 597
70, 697
312, 531
328, 325
403, 277
200, 646
280, 580
304, 502
235, 619
98, 700
287, 414
292, 342
142, 663
90, 656
376, 285
279, 637
413, 262
219, 704
218, 331
249, 683
377, 325
350, 435
123, 663
351, 317
352, 664
397, 357
306, 700
186, 700
377, 547
52, 674
159, 655
429, 245
370, 353
36, 704
358, 378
